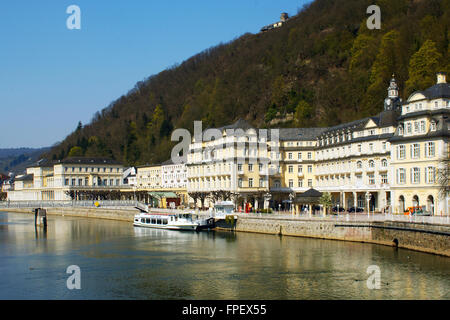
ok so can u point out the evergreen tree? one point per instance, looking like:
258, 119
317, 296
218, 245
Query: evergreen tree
423, 67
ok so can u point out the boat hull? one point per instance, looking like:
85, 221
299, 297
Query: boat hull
181, 227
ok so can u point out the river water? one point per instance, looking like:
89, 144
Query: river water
119, 261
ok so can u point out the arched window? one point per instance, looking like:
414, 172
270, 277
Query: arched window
415, 201
359, 165
371, 164
430, 204
401, 204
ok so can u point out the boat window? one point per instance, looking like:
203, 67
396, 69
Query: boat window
137, 220
143, 220
158, 221
165, 221
153, 221
147, 220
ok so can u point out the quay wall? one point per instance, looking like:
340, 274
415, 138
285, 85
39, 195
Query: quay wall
430, 238
98, 213
425, 237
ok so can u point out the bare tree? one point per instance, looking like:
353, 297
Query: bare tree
443, 175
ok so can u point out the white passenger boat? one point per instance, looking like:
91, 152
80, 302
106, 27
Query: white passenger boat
180, 221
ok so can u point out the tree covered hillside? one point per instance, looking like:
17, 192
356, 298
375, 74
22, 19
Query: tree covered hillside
322, 68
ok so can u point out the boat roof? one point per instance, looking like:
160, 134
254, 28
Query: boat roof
224, 203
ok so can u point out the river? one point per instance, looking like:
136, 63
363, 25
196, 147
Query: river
119, 261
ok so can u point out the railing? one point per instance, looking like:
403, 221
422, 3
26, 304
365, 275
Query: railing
352, 217
68, 203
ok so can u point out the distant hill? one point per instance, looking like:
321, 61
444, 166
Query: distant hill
322, 68
16, 160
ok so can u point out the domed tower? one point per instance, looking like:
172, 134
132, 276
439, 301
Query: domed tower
392, 100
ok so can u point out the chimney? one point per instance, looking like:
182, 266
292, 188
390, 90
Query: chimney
441, 77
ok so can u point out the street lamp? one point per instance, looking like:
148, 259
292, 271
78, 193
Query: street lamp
368, 197
291, 198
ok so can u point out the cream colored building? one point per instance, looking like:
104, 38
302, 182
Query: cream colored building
353, 159
164, 182
51, 180
236, 162
419, 145
295, 172
387, 162
149, 177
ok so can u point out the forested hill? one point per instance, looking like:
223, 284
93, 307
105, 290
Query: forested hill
322, 68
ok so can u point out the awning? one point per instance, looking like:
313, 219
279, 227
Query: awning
162, 195
309, 197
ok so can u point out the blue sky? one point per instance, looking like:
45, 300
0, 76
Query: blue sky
52, 77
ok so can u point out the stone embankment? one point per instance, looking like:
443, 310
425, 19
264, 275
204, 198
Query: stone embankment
426, 237
125, 214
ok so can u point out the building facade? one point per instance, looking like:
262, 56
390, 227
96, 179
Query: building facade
236, 162
384, 163
419, 148
52, 180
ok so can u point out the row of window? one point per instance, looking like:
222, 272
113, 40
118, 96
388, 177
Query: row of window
416, 127
418, 106
430, 150
415, 174
349, 149
97, 182
90, 169
290, 156
277, 183
341, 180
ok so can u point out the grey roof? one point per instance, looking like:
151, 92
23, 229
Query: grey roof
167, 163
240, 124
311, 193
84, 160
27, 177
300, 134
44, 163
388, 118
440, 90
357, 124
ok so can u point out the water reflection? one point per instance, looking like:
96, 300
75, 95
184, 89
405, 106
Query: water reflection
119, 261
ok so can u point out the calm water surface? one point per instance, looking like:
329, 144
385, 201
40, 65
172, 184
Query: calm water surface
119, 261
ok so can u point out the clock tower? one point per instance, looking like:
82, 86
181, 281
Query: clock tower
392, 100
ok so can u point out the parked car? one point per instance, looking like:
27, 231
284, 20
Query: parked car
353, 209
335, 209
417, 211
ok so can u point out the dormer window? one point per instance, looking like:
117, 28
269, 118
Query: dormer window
436, 104
400, 130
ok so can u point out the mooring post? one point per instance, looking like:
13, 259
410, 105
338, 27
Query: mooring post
35, 216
